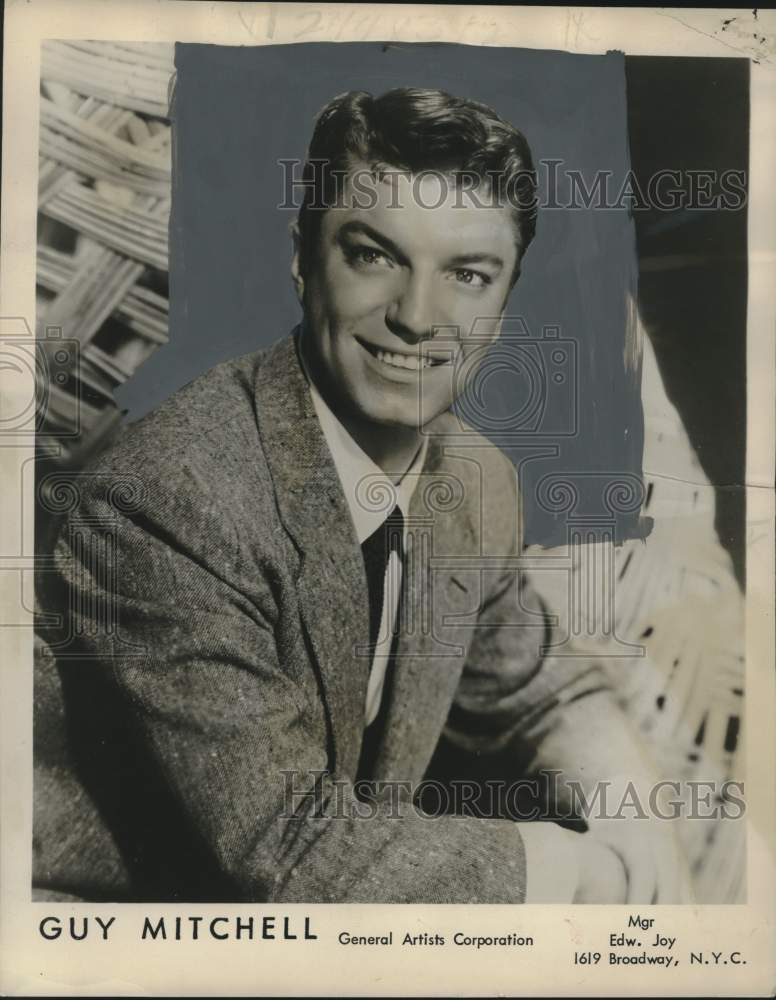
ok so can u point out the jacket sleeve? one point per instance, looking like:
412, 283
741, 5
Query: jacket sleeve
518, 705
194, 668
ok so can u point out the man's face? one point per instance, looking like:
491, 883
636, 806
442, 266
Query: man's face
385, 278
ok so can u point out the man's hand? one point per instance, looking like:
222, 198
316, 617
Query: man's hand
628, 861
602, 877
563, 866
591, 742
651, 855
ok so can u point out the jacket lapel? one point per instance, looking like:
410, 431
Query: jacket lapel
438, 593
431, 646
314, 511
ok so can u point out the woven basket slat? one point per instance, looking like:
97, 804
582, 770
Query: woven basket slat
139, 132
143, 226
102, 299
151, 298
55, 269
142, 310
56, 175
99, 384
89, 76
70, 154
126, 157
139, 235
143, 60
145, 100
158, 54
51, 179
111, 366
132, 73
61, 95
93, 293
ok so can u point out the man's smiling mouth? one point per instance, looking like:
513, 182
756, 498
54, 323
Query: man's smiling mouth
413, 362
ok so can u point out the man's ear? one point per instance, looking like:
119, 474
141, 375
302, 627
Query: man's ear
296, 273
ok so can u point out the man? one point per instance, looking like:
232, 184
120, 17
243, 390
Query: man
301, 572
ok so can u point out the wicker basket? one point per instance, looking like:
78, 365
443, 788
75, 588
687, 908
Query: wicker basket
104, 204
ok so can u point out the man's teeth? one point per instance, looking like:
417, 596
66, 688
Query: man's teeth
411, 361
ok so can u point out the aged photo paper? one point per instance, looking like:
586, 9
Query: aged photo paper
387, 448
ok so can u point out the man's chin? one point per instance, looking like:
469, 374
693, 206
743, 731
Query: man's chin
403, 411
404, 421
400, 422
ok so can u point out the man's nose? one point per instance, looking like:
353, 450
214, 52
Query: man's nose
410, 315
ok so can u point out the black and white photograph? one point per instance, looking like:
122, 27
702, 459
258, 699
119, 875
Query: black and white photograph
388, 485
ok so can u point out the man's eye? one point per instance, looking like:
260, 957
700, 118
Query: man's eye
368, 255
474, 278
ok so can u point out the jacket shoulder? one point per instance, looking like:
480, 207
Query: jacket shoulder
195, 467
458, 438
488, 481
204, 421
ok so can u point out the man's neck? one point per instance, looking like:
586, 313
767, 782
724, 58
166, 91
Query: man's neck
393, 448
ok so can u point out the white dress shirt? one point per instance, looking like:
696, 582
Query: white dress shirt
371, 495
552, 865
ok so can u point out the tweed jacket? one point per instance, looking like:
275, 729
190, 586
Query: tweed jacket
211, 671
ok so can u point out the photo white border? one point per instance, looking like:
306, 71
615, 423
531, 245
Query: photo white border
124, 965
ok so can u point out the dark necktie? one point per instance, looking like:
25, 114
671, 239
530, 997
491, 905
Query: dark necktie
377, 550
389, 537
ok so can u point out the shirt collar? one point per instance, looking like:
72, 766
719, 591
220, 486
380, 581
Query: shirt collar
370, 493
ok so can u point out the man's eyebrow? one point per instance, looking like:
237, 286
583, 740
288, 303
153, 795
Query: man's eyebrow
357, 227
364, 229
483, 257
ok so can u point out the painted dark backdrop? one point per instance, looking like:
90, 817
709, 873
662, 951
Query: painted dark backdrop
693, 114
238, 111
